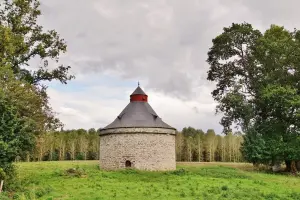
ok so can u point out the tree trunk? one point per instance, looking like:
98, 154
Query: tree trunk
27, 157
199, 150
288, 165
293, 167
180, 150
63, 152
1, 185
190, 154
209, 153
41, 155
51, 153
199, 154
298, 165
61, 144
223, 152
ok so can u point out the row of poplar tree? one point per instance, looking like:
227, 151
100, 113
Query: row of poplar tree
74, 144
192, 145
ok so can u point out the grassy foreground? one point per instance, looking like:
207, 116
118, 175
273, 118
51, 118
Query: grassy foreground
53, 180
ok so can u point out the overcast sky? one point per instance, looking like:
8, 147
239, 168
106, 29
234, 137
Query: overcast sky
113, 44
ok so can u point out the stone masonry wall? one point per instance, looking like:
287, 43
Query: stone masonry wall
145, 151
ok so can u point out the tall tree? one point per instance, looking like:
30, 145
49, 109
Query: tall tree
22, 40
26, 113
258, 84
210, 144
190, 142
17, 131
200, 144
179, 142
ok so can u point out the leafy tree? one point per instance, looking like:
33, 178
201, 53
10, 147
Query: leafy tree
25, 113
22, 40
92, 131
191, 145
195, 145
16, 130
232, 66
210, 139
258, 85
254, 148
189, 133
200, 138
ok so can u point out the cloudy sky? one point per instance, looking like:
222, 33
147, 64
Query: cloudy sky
113, 44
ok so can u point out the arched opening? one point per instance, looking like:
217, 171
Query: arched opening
127, 163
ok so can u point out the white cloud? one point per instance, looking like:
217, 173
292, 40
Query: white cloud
86, 109
162, 43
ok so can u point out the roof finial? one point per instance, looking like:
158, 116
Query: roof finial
139, 83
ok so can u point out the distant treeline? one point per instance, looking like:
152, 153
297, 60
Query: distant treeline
77, 144
191, 145
195, 145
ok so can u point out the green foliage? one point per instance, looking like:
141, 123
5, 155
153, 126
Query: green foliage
191, 145
4, 196
195, 145
77, 172
80, 156
254, 148
24, 108
201, 182
66, 145
16, 130
22, 39
257, 77
224, 187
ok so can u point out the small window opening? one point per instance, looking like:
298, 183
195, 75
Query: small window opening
127, 163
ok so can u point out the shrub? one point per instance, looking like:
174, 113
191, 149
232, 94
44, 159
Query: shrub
77, 172
182, 194
80, 156
224, 187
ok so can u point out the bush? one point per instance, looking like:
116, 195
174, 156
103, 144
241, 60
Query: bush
3, 196
2, 174
11, 182
54, 155
80, 156
224, 187
77, 172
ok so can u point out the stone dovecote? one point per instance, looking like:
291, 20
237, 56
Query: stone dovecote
138, 138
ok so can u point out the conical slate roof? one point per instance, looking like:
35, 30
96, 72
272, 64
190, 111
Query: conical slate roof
138, 114
138, 90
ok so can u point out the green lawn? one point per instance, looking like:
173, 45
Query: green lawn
49, 180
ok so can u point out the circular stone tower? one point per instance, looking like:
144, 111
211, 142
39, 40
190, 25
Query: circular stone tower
138, 138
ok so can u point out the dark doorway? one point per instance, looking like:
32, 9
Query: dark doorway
127, 163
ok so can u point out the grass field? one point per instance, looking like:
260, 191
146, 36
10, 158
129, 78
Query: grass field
52, 180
